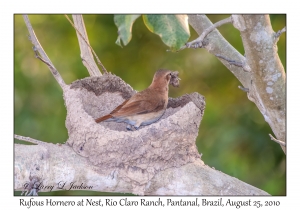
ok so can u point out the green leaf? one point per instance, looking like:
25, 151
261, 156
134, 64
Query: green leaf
124, 24
173, 29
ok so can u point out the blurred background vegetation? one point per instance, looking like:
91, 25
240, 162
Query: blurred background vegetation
233, 136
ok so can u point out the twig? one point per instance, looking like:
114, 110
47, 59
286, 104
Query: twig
84, 37
198, 43
277, 141
277, 35
235, 63
28, 139
38, 47
244, 89
85, 49
50, 65
231, 62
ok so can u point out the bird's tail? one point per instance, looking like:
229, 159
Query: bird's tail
100, 119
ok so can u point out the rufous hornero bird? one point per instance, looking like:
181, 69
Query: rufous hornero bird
147, 106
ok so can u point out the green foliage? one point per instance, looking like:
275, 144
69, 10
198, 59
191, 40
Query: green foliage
233, 135
172, 29
124, 24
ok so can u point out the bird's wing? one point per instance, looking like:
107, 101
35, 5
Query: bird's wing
119, 107
105, 117
139, 107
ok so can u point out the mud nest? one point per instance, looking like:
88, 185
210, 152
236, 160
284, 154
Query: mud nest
135, 156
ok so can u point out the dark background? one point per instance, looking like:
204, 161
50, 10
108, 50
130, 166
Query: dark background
233, 136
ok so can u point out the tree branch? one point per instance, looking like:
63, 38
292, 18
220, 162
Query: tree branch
85, 47
278, 34
236, 63
218, 45
28, 139
56, 165
277, 141
266, 80
38, 47
267, 90
243, 89
198, 43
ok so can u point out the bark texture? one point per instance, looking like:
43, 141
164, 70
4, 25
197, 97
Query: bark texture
266, 80
267, 89
58, 166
